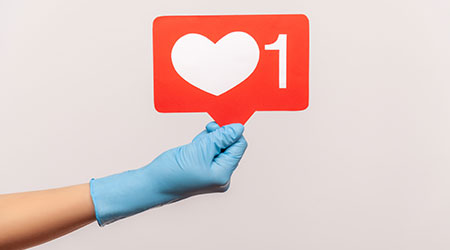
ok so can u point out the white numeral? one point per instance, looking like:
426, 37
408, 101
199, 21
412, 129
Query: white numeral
281, 45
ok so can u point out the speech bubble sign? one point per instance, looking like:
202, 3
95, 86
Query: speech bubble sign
230, 65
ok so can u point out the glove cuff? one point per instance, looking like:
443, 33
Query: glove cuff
121, 195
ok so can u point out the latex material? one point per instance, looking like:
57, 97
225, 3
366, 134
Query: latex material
202, 166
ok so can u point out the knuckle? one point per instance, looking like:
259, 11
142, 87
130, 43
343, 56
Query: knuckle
245, 144
221, 180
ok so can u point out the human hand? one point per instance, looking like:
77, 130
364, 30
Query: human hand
205, 165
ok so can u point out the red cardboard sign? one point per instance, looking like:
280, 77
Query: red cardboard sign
231, 65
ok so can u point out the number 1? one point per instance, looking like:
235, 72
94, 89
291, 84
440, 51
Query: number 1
281, 45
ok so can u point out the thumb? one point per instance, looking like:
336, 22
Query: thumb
224, 137
212, 126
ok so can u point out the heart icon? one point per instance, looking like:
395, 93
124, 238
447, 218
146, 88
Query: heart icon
215, 67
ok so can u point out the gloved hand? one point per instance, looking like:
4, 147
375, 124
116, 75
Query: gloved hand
202, 166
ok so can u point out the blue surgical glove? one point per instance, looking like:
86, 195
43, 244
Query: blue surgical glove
202, 166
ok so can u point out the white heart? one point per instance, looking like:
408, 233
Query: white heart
215, 67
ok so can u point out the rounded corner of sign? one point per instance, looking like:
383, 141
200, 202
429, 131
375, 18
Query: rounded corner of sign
157, 107
304, 17
302, 107
157, 19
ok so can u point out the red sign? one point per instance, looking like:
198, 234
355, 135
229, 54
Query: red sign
230, 66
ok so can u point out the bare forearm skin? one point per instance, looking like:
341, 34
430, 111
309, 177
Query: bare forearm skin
31, 218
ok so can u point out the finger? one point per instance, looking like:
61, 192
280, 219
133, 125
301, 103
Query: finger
226, 162
223, 137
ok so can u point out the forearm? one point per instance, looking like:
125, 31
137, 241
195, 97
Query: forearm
31, 218
204, 165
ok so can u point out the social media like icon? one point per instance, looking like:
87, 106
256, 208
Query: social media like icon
231, 65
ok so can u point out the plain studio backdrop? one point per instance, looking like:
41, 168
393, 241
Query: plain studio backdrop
366, 166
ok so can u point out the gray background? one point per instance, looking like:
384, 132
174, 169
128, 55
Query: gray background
366, 166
